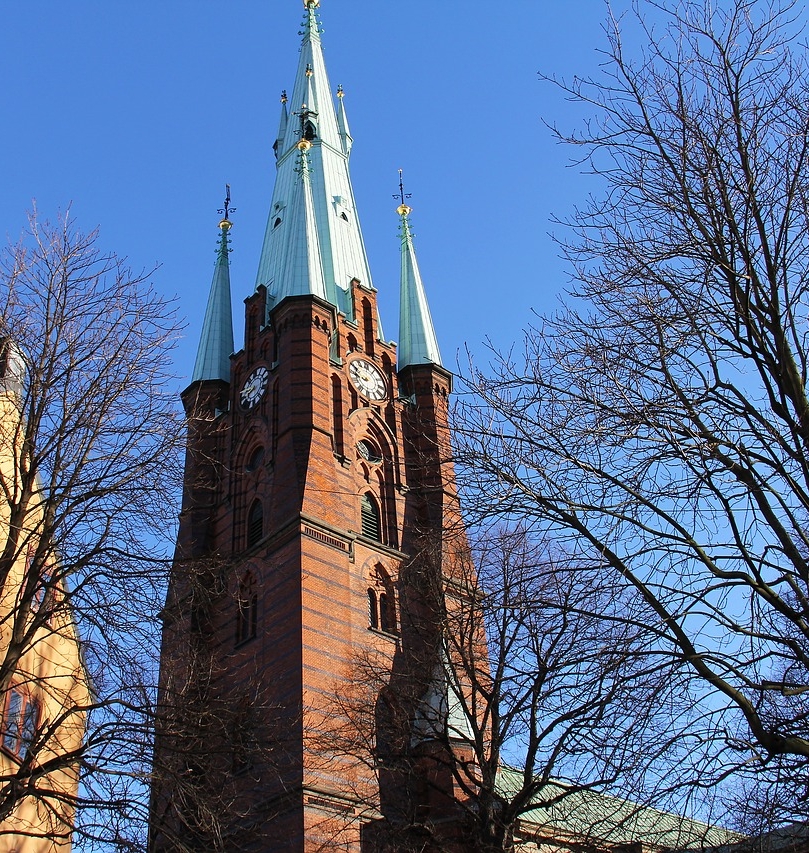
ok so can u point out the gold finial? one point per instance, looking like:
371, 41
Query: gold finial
304, 145
308, 3
284, 96
309, 71
403, 209
340, 92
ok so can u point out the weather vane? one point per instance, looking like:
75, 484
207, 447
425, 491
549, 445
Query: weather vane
227, 209
402, 195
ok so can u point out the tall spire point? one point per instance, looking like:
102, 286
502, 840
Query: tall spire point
323, 124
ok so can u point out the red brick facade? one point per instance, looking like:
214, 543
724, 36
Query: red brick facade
282, 589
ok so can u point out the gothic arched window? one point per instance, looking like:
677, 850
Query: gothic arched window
255, 523
247, 616
382, 603
369, 517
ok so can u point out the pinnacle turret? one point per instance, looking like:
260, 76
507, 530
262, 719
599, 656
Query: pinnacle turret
417, 343
342, 123
216, 340
282, 126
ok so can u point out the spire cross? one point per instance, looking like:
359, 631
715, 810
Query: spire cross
403, 209
226, 210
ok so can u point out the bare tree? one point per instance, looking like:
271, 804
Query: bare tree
215, 743
657, 427
89, 438
539, 697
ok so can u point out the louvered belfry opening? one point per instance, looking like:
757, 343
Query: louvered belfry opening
255, 524
369, 510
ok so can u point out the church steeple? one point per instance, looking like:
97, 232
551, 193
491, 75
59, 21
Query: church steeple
418, 343
216, 340
334, 225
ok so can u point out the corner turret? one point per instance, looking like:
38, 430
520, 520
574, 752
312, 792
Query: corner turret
417, 340
216, 340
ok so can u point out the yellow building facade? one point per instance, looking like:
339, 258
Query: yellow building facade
44, 692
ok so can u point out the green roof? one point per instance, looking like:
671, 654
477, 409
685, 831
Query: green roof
561, 811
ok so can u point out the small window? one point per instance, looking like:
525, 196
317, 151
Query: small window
373, 612
387, 618
382, 602
309, 132
20, 722
255, 524
368, 326
247, 617
369, 452
277, 222
256, 458
344, 216
369, 512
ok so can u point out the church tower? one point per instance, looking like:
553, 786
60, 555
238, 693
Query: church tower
302, 610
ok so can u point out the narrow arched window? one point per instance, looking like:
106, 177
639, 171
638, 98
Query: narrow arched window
386, 620
255, 523
369, 512
384, 613
247, 616
337, 414
368, 326
309, 131
373, 612
384, 601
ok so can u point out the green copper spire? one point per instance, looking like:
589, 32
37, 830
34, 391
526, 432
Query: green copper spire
302, 260
417, 341
323, 215
216, 341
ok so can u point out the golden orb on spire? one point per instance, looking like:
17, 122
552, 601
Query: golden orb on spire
225, 225
304, 145
404, 210
308, 3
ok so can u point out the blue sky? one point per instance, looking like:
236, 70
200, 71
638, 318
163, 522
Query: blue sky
137, 114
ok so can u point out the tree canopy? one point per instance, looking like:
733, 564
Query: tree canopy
657, 426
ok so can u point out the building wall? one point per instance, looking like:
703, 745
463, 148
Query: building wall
317, 573
49, 672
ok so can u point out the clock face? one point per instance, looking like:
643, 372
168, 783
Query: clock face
254, 388
368, 379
